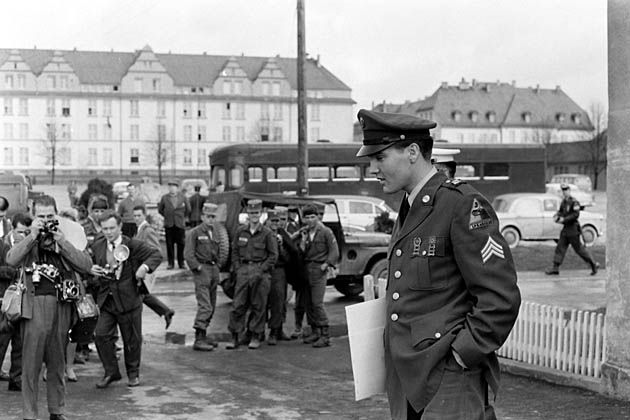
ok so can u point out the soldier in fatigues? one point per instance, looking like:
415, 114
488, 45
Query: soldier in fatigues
568, 214
254, 253
320, 253
451, 294
202, 255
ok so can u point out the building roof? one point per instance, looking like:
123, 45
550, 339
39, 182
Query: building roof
102, 67
496, 104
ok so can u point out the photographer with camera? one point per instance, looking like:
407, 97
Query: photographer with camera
120, 265
46, 260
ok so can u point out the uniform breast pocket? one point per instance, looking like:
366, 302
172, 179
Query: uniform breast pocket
428, 260
259, 250
320, 246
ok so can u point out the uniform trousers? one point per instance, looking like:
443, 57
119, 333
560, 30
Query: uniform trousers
572, 239
44, 339
15, 338
315, 312
251, 292
130, 324
277, 298
175, 236
206, 282
462, 395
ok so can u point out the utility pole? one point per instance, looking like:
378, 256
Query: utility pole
302, 164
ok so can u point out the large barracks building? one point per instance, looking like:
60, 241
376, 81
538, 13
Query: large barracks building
116, 114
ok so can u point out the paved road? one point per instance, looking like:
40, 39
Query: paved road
289, 381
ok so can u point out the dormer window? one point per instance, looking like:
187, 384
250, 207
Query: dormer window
474, 116
560, 117
527, 117
491, 116
576, 118
457, 116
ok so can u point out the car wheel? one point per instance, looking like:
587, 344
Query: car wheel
349, 289
379, 270
512, 236
589, 233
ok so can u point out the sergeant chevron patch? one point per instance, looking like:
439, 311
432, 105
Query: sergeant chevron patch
491, 248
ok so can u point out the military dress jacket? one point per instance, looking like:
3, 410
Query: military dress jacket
124, 291
569, 211
451, 285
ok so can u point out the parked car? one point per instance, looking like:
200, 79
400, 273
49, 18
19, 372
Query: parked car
188, 187
530, 216
585, 199
356, 210
360, 253
582, 181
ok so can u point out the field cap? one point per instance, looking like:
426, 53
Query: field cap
382, 130
439, 155
173, 182
254, 205
209, 209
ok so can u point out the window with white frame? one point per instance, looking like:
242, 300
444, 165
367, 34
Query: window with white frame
314, 134
21, 81
186, 112
8, 106
137, 84
8, 131
277, 134
64, 158
188, 133
92, 108
227, 133
8, 156
240, 110
227, 111
134, 108
108, 154
107, 132
238, 87
63, 82
277, 112
23, 106
201, 157
265, 88
24, 131
201, 133
134, 132
157, 85
187, 157
92, 132
276, 88
201, 110
264, 111
51, 131
161, 109
51, 82
8, 81
240, 133
65, 107
92, 156
227, 87
24, 156
134, 155
107, 108
315, 112
66, 131
50, 107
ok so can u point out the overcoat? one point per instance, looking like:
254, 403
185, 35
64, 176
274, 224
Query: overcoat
174, 215
451, 285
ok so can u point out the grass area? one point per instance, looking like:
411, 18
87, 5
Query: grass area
535, 257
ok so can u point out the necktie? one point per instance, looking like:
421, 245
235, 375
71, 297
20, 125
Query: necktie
110, 254
404, 210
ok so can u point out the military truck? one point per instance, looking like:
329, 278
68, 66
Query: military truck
16, 188
360, 253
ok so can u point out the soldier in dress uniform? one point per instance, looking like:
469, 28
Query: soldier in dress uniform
570, 234
451, 295
254, 254
202, 255
444, 160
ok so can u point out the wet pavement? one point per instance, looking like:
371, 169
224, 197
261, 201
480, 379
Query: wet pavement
293, 380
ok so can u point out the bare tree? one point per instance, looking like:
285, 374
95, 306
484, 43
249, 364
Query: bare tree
159, 149
262, 130
53, 145
595, 144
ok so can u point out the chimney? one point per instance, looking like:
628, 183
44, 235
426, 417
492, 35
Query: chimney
474, 82
558, 88
317, 61
513, 83
444, 85
205, 53
537, 89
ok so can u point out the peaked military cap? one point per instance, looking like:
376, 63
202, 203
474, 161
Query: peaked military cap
281, 210
273, 214
173, 182
439, 155
209, 208
254, 205
382, 130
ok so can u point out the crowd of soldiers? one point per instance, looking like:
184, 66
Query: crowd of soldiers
110, 260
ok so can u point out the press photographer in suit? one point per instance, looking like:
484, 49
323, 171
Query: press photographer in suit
47, 258
119, 266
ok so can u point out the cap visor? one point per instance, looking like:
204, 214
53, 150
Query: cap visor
367, 150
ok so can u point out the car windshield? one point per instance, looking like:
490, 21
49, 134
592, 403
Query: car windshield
501, 205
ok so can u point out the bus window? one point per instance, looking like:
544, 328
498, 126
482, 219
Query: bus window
218, 176
236, 177
467, 172
347, 173
367, 175
496, 171
318, 173
284, 173
255, 174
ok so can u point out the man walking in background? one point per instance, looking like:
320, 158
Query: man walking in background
174, 207
125, 209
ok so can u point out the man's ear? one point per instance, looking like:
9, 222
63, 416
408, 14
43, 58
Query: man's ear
413, 151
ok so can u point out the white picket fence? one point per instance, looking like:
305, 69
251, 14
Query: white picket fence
549, 336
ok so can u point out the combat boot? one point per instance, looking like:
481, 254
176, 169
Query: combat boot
594, 268
312, 337
254, 342
281, 336
297, 333
553, 270
200, 341
234, 343
245, 338
273, 338
324, 338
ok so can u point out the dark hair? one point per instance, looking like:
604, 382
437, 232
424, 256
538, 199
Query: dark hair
140, 207
23, 218
425, 145
108, 214
4, 203
131, 184
44, 200
197, 187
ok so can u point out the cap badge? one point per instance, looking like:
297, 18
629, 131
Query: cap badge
402, 136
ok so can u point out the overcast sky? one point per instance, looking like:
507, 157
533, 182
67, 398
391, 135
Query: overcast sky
392, 50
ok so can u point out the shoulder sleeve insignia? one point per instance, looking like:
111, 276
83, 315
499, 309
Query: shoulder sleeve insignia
479, 216
576, 206
490, 249
456, 181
